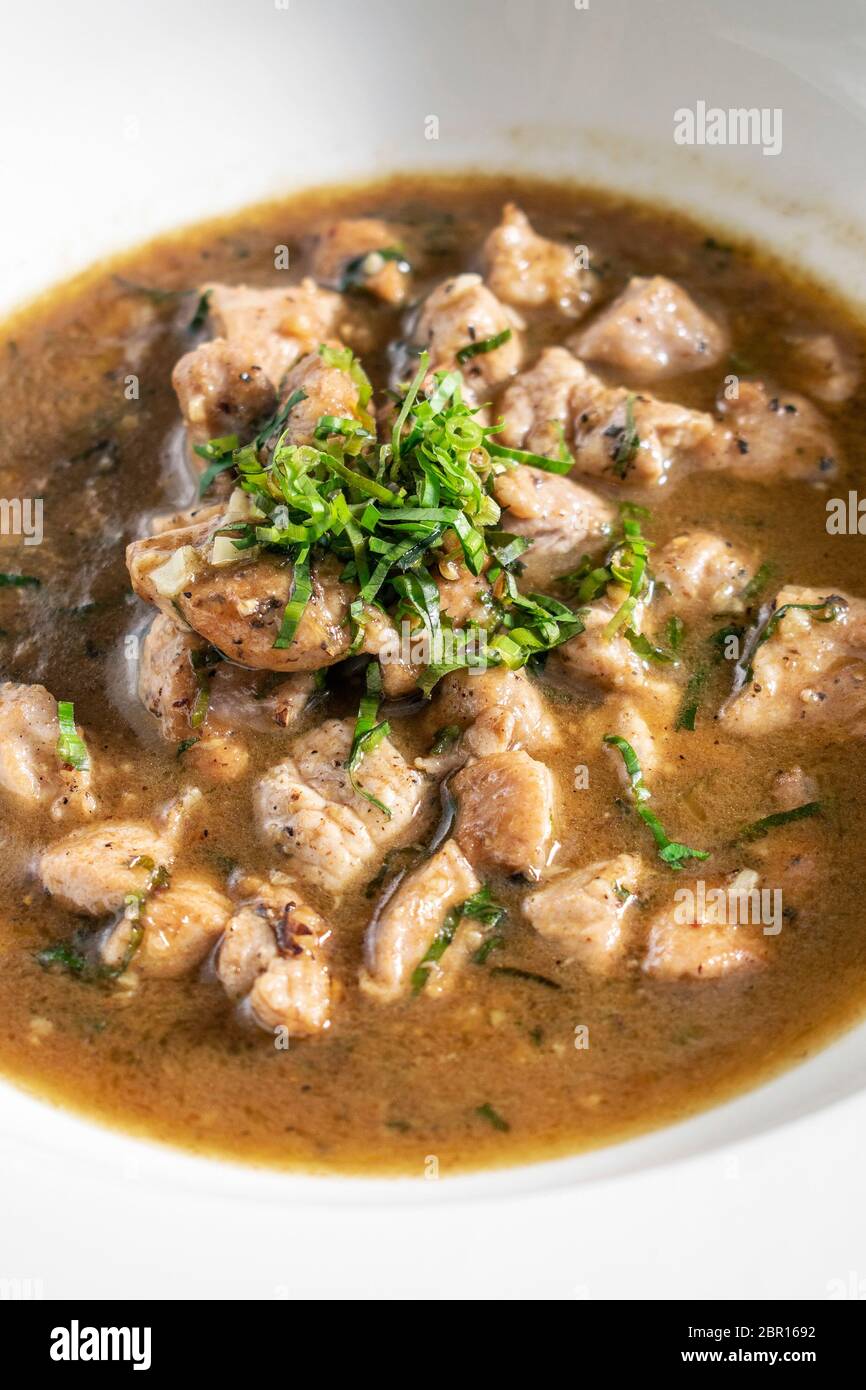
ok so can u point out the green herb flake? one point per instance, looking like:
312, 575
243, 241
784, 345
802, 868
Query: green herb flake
759, 828
628, 440
19, 581
71, 748
465, 354
493, 1117
671, 852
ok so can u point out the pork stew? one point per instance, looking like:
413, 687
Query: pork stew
432, 644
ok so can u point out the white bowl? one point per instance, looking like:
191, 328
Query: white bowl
120, 122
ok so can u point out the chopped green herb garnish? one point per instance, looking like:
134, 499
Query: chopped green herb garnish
671, 852
675, 632
19, 581
493, 1117
471, 350
558, 465
369, 733
278, 422
65, 956
758, 582
201, 312
302, 589
219, 456
390, 513
515, 973
688, 711
445, 738
759, 828
628, 440
71, 748
480, 907
492, 943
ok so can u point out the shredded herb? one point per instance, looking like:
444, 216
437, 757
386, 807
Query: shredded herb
625, 564
302, 589
628, 441
390, 512
758, 582
688, 711
759, 828
465, 354
219, 456
19, 581
675, 632
516, 973
481, 907
278, 422
671, 852
558, 465
71, 748
65, 956
445, 738
493, 943
493, 1117
369, 733
201, 312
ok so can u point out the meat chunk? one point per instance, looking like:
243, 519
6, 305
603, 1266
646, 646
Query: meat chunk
766, 437
308, 807
254, 700
583, 911
222, 389
348, 254
497, 709
614, 433
633, 438
653, 329
239, 607
536, 407
31, 772
187, 686
706, 934
461, 313
400, 935
217, 758
827, 370
180, 924
811, 668
793, 787
328, 390
626, 716
561, 519
592, 658
272, 956
505, 813
704, 574
192, 516
527, 270
464, 597
276, 326
168, 683
96, 869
